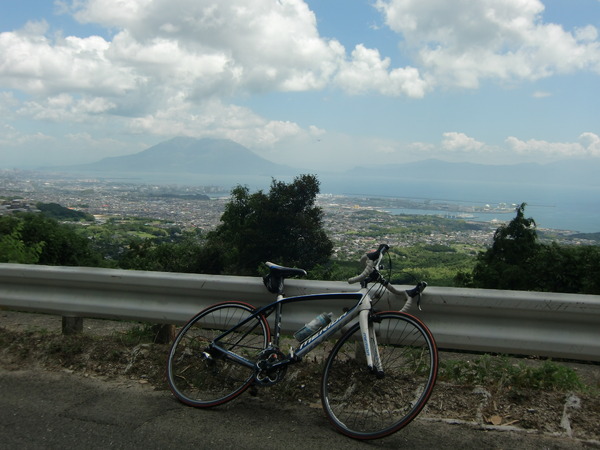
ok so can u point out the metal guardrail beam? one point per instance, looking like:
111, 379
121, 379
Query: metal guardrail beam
516, 322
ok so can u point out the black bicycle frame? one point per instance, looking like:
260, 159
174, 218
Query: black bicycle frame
307, 345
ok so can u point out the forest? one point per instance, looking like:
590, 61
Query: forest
285, 225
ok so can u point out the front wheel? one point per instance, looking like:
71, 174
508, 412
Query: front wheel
201, 376
366, 403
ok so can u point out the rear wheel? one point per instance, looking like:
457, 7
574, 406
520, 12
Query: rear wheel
200, 375
367, 404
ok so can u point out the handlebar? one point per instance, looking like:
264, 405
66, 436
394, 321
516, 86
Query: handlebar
420, 287
372, 262
365, 273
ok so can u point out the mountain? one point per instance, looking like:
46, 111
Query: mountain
184, 155
226, 163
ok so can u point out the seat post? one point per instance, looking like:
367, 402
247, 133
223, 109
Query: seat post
277, 330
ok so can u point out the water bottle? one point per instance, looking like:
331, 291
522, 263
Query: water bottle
313, 326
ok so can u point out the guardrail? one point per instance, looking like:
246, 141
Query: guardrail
515, 322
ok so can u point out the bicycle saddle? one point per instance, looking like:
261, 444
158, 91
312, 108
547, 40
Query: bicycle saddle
274, 280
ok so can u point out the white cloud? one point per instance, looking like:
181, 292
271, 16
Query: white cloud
7, 103
454, 146
257, 46
462, 42
588, 146
170, 65
175, 67
591, 142
66, 108
588, 33
541, 94
460, 142
35, 64
214, 119
368, 72
202, 47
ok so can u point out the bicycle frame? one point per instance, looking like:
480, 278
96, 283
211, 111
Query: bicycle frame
360, 309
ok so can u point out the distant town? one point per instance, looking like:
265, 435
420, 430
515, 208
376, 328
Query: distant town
354, 223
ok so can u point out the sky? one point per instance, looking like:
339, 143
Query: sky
312, 84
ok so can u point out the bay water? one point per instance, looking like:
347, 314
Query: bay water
555, 206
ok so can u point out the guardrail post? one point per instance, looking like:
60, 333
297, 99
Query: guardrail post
72, 325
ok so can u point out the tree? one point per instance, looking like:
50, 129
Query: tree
508, 264
62, 246
185, 254
573, 269
284, 226
12, 247
58, 212
517, 261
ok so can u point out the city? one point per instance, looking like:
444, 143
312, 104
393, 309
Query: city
354, 223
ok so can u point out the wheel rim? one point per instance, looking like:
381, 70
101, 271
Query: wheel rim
363, 405
201, 376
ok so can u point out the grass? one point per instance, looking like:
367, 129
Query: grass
502, 373
143, 333
67, 345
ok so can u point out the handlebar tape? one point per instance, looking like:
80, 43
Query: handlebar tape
365, 273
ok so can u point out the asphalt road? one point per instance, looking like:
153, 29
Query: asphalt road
51, 410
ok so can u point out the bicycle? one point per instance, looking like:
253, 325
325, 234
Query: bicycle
377, 378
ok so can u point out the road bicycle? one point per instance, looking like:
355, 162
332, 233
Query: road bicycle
376, 379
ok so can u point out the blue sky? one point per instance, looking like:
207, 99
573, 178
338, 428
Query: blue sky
334, 83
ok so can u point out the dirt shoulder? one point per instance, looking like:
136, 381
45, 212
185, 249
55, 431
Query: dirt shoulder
117, 351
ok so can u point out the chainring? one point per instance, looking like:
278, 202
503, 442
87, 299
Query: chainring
266, 375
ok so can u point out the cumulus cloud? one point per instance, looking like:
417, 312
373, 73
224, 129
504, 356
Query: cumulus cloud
461, 43
170, 66
177, 67
460, 142
199, 45
587, 145
214, 119
454, 146
258, 46
33, 63
66, 108
366, 71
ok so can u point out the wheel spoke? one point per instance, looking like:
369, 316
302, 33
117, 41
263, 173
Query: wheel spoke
202, 376
362, 405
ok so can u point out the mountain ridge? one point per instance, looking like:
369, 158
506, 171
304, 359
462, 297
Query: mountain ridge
183, 159
188, 155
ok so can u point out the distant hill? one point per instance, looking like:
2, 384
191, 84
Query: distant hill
589, 236
184, 155
223, 162
58, 212
568, 172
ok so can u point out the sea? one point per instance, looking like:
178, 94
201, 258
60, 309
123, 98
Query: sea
557, 204
553, 206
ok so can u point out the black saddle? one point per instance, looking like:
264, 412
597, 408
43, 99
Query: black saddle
274, 279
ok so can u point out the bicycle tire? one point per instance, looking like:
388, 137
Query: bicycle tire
365, 405
201, 377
